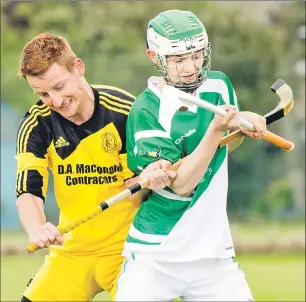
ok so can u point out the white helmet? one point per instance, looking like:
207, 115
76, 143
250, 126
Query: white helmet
173, 33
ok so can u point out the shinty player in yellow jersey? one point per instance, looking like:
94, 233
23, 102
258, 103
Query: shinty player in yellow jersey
78, 132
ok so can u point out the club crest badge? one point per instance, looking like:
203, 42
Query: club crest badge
109, 142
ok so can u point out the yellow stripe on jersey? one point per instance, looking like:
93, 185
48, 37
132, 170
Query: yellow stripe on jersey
34, 112
109, 102
25, 123
22, 182
114, 109
25, 177
115, 89
115, 98
42, 106
28, 161
19, 177
29, 124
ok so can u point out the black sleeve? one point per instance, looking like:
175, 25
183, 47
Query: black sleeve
31, 153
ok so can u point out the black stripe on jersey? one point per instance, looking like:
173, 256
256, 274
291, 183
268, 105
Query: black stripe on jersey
109, 104
20, 183
114, 98
17, 184
115, 103
117, 92
32, 177
29, 124
120, 101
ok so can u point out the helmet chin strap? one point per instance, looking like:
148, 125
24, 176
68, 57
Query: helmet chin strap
190, 87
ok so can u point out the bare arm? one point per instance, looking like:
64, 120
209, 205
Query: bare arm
158, 176
31, 212
194, 166
33, 220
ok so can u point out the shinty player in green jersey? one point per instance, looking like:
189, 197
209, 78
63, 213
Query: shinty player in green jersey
180, 244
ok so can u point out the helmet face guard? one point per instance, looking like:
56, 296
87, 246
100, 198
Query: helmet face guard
181, 45
169, 67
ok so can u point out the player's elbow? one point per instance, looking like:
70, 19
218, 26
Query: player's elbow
19, 201
22, 199
27, 198
182, 190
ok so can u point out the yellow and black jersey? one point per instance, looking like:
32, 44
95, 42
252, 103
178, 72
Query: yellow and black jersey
88, 163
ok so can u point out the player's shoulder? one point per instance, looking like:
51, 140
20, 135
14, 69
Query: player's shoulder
33, 130
37, 115
147, 100
114, 92
217, 75
114, 98
217, 81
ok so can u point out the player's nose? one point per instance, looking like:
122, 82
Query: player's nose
56, 99
189, 66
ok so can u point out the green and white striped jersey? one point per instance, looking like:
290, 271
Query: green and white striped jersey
169, 227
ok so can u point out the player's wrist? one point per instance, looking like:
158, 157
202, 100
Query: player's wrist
131, 181
215, 129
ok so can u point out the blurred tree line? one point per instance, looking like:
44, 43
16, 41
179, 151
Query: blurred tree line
254, 43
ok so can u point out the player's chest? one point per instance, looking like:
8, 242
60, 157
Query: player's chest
189, 128
86, 147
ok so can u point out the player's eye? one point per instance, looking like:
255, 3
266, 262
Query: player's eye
58, 88
198, 54
43, 94
178, 59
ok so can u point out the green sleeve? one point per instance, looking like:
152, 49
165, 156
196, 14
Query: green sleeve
231, 92
147, 139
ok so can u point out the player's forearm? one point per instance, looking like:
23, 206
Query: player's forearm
31, 212
138, 197
194, 166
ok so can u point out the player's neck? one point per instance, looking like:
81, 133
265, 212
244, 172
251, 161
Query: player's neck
86, 108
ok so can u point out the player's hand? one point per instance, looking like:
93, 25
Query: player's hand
46, 235
158, 174
228, 122
258, 121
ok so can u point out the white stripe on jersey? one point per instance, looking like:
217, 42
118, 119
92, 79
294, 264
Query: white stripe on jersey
172, 196
213, 85
145, 237
151, 133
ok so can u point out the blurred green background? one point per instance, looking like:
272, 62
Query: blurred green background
254, 43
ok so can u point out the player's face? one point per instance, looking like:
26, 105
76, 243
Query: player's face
184, 68
60, 89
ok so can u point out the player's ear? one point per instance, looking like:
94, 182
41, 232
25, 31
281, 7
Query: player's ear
152, 55
79, 67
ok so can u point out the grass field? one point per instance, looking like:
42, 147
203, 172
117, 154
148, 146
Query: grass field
273, 277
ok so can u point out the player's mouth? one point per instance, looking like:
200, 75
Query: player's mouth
190, 78
65, 105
